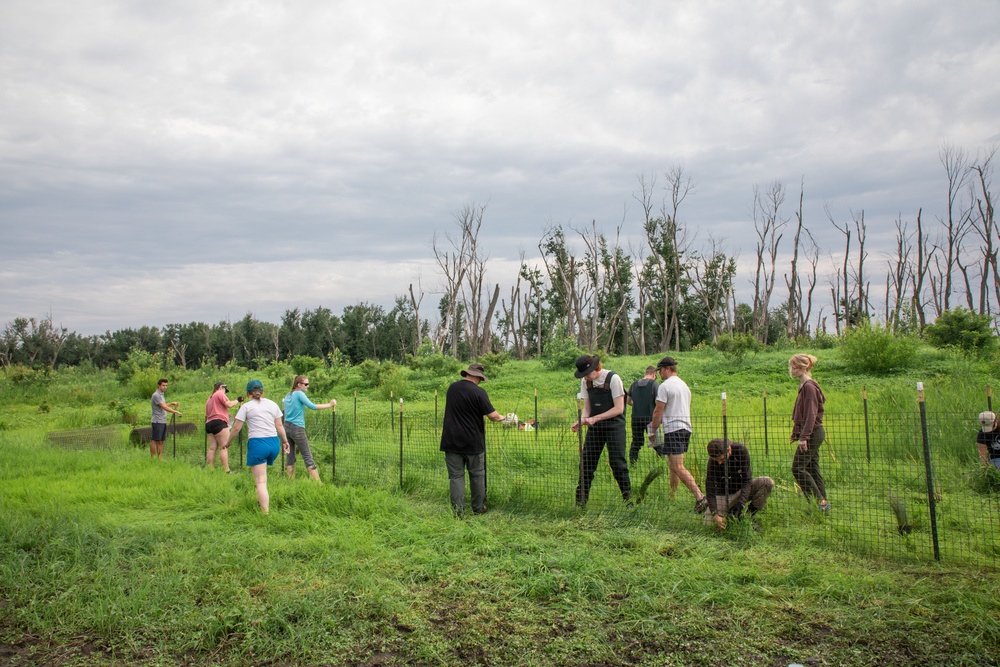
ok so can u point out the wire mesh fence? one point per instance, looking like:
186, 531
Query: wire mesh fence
903, 485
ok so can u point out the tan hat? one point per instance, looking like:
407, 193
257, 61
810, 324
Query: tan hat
475, 370
988, 420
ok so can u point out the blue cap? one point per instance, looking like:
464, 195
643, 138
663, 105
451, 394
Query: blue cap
254, 385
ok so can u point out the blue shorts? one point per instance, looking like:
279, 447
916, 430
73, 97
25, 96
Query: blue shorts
159, 432
262, 450
675, 442
995, 463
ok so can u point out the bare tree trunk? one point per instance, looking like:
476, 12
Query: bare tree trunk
768, 225
956, 169
985, 226
415, 302
898, 277
920, 274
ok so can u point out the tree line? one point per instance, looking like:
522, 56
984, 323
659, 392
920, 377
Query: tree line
654, 292
363, 331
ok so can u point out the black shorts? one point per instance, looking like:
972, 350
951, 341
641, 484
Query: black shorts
675, 442
159, 432
216, 426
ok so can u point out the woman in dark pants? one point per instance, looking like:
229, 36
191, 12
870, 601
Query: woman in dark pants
807, 429
604, 415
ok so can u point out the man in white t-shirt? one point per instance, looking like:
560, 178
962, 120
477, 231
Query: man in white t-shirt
673, 411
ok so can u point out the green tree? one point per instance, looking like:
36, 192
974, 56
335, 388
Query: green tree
963, 329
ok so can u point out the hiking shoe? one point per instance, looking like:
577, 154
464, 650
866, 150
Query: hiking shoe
701, 505
824, 506
482, 511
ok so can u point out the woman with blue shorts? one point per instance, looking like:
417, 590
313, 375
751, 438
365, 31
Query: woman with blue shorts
266, 436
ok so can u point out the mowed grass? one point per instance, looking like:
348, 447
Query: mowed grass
109, 558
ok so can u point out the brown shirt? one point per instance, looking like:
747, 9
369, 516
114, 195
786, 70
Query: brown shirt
808, 412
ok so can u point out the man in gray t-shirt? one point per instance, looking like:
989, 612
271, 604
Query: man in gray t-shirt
160, 407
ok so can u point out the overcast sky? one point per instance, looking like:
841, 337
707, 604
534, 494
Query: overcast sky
182, 160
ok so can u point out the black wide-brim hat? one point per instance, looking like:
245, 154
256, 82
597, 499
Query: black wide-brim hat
586, 364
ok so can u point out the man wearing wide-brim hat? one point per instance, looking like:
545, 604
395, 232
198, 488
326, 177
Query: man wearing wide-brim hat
988, 439
463, 437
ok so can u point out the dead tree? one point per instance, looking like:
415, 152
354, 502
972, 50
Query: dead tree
479, 311
956, 167
796, 324
924, 253
983, 221
454, 265
768, 225
415, 303
898, 277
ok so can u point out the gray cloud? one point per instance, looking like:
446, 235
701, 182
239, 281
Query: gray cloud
141, 141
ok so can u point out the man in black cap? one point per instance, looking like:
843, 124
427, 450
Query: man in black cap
730, 486
673, 411
463, 437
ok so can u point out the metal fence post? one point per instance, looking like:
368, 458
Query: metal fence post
536, 414
400, 444
392, 415
435, 411
173, 427
989, 398
864, 402
204, 460
355, 409
725, 464
931, 503
579, 441
767, 449
333, 443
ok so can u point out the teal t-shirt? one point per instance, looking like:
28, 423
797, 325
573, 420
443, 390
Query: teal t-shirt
295, 404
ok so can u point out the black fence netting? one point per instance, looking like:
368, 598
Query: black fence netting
906, 485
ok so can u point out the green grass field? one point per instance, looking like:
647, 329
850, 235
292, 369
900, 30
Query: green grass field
109, 558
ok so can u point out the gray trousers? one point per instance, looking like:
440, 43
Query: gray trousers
457, 465
760, 491
297, 440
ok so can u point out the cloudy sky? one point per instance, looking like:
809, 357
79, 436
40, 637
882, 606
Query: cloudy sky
183, 160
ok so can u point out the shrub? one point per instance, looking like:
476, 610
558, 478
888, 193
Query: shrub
493, 362
735, 346
963, 329
874, 349
433, 364
376, 374
24, 376
143, 382
303, 364
138, 361
124, 412
561, 352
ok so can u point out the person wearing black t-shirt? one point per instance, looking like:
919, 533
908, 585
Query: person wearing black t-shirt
463, 437
730, 486
988, 439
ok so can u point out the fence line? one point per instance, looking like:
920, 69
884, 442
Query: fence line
905, 485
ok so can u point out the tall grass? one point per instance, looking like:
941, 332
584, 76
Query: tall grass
144, 562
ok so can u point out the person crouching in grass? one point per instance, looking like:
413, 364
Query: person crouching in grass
730, 486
